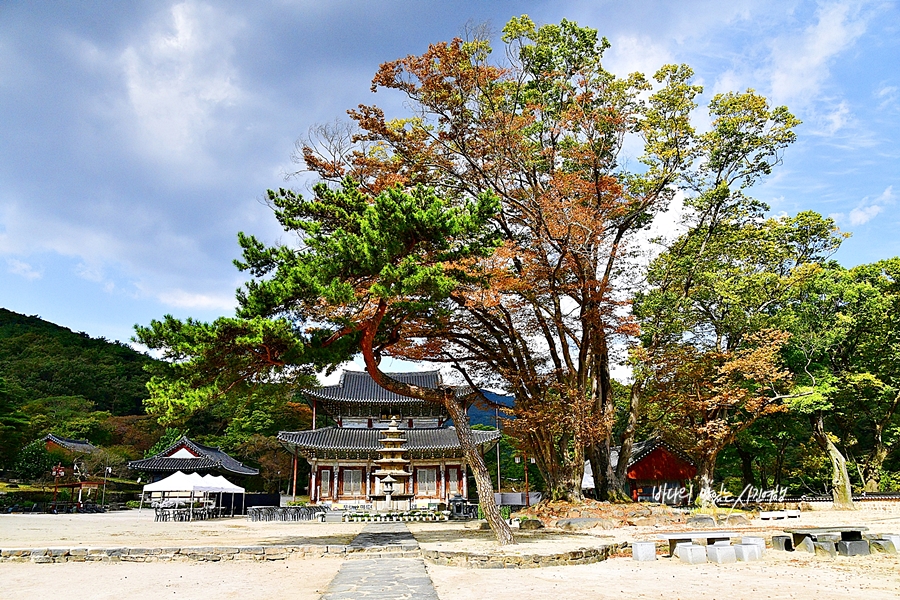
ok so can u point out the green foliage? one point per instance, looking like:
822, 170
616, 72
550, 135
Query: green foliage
34, 461
13, 424
42, 360
169, 437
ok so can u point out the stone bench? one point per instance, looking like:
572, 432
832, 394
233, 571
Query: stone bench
710, 537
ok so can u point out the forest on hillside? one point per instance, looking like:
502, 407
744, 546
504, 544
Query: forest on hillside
54, 380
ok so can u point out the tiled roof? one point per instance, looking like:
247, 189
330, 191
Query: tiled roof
358, 386
208, 459
80, 446
641, 449
419, 442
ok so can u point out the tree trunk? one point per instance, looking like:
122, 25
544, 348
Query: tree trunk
448, 399
872, 468
483, 482
606, 481
746, 467
841, 491
706, 468
634, 411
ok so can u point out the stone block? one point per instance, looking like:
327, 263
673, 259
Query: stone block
692, 554
825, 548
782, 542
853, 548
643, 551
882, 547
793, 514
807, 545
828, 537
758, 541
530, 524
747, 552
721, 554
893, 538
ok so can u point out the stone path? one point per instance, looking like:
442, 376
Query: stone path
382, 578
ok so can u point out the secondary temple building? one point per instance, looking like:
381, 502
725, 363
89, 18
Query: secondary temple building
384, 450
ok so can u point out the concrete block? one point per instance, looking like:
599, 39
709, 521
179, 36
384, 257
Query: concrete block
692, 554
678, 546
792, 514
882, 547
825, 549
782, 542
893, 538
807, 545
757, 541
853, 548
721, 554
643, 551
747, 552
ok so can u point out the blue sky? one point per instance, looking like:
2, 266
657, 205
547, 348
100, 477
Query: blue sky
137, 139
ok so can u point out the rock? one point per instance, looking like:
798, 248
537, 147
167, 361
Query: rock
643, 521
580, 524
701, 521
477, 525
530, 524
734, 520
807, 545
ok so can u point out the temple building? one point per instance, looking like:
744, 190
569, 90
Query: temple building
188, 456
657, 472
384, 450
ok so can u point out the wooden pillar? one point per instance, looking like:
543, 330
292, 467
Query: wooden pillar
313, 488
294, 490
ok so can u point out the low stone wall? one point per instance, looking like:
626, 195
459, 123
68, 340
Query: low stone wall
198, 553
267, 553
582, 556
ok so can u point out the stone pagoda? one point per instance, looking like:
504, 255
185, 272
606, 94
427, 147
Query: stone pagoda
392, 475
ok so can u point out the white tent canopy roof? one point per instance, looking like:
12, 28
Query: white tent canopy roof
217, 483
193, 482
176, 482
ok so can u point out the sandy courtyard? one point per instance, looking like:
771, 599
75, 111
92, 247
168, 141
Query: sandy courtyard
779, 575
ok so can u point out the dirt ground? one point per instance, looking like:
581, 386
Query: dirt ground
778, 575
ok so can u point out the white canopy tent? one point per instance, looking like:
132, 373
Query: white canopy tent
193, 483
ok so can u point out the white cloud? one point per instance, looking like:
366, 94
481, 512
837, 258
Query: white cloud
23, 269
178, 78
887, 96
800, 63
868, 209
837, 119
864, 214
184, 299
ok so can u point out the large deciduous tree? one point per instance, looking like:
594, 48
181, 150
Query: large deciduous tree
543, 129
